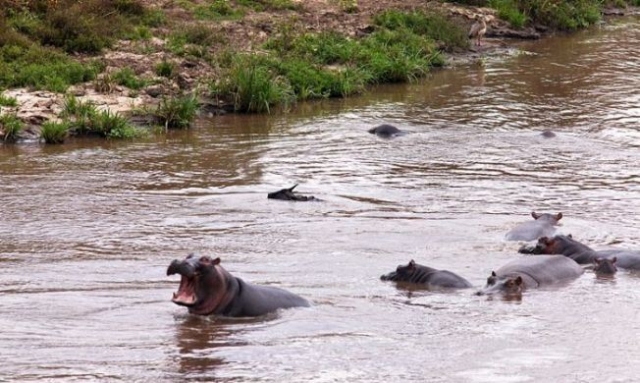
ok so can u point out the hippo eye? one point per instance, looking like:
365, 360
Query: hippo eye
205, 259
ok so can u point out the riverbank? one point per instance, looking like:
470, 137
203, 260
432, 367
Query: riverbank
262, 56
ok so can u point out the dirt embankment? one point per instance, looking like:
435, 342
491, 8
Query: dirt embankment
246, 34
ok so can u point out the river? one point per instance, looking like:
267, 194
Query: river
87, 230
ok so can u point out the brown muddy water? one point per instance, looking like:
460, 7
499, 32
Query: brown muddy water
88, 229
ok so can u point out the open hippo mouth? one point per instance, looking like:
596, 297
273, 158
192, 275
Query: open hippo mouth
186, 294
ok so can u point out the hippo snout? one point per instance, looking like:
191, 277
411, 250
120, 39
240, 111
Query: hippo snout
181, 267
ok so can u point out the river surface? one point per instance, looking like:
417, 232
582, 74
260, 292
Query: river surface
88, 229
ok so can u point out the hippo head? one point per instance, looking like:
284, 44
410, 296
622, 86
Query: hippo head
402, 273
202, 284
605, 266
509, 287
546, 245
551, 218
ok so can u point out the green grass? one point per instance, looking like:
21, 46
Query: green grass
10, 126
432, 26
164, 69
177, 112
85, 119
268, 5
508, 10
55, 132
113, 126
301, 66
8, 101
127, 77
217, 10
41, 68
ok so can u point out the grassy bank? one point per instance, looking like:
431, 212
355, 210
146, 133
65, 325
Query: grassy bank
54, 44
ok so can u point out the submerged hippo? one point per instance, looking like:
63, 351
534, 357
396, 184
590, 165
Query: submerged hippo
206, 288
530, 272
583, 254
541, 226
604, 267
423, 275
386, 131
547, 133
290, 195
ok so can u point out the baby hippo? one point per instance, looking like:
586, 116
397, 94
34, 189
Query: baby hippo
423, 275
542, 226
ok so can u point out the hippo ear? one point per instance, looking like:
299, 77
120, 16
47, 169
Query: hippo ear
558, 216
597, 261
518, 281
544, 240
614, 260
412, 264
569, 236
216, 261
293, 187
493, 274
535, 215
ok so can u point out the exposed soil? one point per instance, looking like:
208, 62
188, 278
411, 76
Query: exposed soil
246, 34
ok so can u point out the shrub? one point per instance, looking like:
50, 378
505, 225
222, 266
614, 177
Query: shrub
177, 112
55, 132
10, 127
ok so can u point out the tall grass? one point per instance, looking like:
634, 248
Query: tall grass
177, 112
85, 119
10, 127
55, 132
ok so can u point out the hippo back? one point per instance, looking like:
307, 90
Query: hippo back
542, 270
531, 231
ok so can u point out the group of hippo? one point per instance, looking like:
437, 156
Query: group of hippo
206, 288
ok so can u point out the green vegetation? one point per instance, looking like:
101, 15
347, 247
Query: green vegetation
8, 101
55, 132
127, 77
165, 69
508, 10
10, 127
563, 14
41, 68
85, 119
319, 65
177, 112
567, 15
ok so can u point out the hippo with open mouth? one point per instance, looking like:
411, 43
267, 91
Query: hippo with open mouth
208, 289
